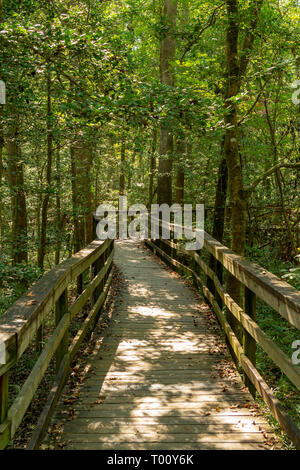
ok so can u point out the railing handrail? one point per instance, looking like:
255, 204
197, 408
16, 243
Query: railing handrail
20, 322
281, 296
25, 318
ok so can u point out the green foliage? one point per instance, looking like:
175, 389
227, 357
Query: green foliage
14, 281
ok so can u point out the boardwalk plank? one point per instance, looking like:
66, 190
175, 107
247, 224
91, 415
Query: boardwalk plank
161, 379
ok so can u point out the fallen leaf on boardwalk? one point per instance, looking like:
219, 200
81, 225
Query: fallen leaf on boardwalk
62, 444
218, 409
31, 302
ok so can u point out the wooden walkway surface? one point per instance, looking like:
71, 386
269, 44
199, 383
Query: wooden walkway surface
161, 379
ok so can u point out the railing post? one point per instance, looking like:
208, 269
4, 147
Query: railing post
3, 396
98, 291
79, 284
95, 223
249, 343
39, 339
61, 308
195, 268
105, 258
96, 269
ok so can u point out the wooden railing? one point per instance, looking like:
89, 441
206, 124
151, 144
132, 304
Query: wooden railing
256, 281
24, 320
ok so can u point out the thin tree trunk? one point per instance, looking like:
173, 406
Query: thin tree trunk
45, 204
2, 143
152, 167
82, 162
219, 223
1, 171
76, 238
182, 147
278, 181
58, 210
122, 168
181, 151
15, 176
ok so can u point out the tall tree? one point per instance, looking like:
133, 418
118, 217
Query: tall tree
167, 56
236, 64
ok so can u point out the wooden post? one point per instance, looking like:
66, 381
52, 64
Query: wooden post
195, 268
103, 261
79, 284
249, 343
117, 224
96, 268
172, 251
95, 223
3, 397
39, 339
61, 309
100, 264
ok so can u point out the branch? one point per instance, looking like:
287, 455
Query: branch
208, 25
249, 40
252, 106
269, 172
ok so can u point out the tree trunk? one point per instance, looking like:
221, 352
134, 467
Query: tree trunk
1, 170
76, 238
167, 55
58, 210
219, 222
81, 162
15, 178
238, 201
181, 152
45, 204
285, 215
152, 167
236, 65
122, 168
1, 151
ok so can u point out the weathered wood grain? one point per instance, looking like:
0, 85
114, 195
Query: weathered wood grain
153, 383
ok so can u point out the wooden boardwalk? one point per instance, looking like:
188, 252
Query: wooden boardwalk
161, 378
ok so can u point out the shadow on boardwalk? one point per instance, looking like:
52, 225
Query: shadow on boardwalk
161, 378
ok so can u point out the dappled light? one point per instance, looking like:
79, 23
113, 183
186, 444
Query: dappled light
162, 378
